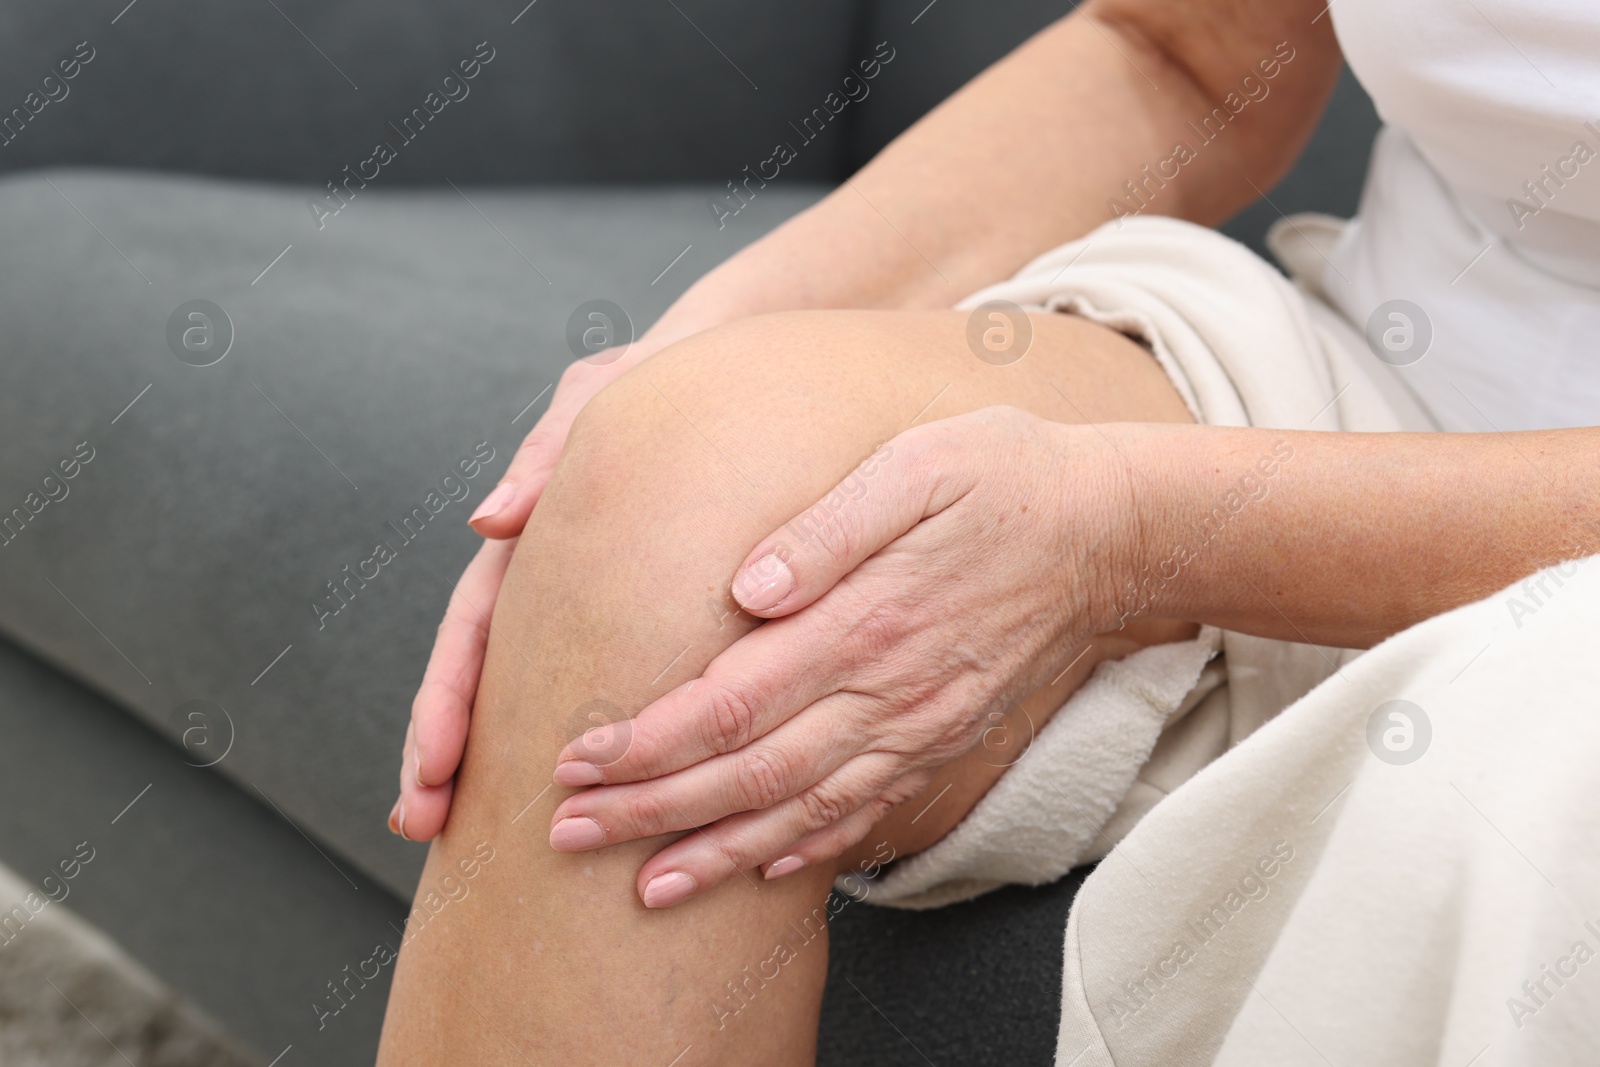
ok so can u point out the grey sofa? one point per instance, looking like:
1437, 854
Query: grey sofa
168, 691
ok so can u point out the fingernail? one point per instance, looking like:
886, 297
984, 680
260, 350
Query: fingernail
665, 890
763, 583
576, 772
495, 502
400, 818
787, 865
394, 817
417, 768
576, 834
604, 745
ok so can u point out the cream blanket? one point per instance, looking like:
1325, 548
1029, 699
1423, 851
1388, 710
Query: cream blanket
1306, 896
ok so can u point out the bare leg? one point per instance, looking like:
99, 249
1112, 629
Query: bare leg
618, 592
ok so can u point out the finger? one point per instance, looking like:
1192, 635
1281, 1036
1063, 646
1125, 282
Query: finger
420, 812
442, 710
758, 776
889, 493
397, 814
829, 843
504, 512
755, 685
845, 806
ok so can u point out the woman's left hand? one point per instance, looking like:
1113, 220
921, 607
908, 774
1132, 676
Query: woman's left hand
913, 603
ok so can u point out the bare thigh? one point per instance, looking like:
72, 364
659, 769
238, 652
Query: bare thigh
619, 592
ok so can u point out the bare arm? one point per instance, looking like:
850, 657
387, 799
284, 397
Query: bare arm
1030, 154
1343, 538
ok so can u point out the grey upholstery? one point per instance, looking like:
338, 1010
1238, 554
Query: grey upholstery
366, 365
296, 93
369, 357
202, 882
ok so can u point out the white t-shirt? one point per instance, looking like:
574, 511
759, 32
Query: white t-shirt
1482, 207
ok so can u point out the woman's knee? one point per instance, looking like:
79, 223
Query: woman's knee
674, 471
844, 378
733, 429
669, 476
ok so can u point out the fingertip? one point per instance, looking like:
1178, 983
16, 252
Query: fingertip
607, 746
420, 813
576, 833
578, 774
492, 505
436, 775
502, 526
440, 718
428, 770
665, 890
509, 520
762, 585
781, 867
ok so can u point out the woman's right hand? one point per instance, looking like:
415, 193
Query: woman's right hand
442, 710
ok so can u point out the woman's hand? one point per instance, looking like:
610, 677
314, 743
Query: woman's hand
979, 222
910, 605
442, 710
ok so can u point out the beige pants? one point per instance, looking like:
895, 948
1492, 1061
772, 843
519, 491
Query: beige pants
1404, 866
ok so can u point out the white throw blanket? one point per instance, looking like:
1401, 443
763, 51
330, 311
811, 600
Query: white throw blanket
1301, 899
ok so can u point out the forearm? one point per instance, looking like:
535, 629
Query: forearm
1031, 154
1343, 539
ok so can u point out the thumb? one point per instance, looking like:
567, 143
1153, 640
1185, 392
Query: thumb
505, 511
796, 564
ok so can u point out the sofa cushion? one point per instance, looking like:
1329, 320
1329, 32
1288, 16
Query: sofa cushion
169, 531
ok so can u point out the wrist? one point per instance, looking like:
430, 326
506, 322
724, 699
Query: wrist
1196, 492
1205, 507
1112, 506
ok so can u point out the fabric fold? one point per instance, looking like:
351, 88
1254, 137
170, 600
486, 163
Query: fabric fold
1243, 346
1390, 871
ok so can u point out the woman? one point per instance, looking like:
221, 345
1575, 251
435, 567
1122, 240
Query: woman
1004, 505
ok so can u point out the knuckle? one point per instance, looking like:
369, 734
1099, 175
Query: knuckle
823, 806
537, 444
935, 463
761, 779
882, 806
832, 539
895, 795
576, 371
928, 731
585, 377
434, 697
953, 732
921, 450
729, 719
646, 812
459, 616
876, 633
733, 852
594, 424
